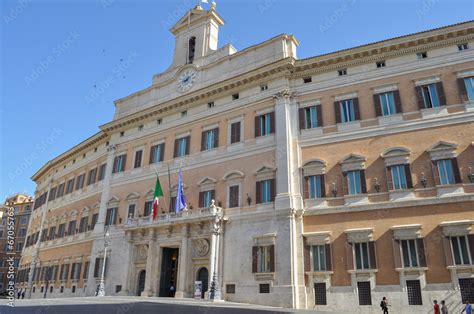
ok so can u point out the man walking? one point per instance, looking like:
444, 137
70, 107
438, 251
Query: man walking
436, 307
444, 308
467, 308
384, 305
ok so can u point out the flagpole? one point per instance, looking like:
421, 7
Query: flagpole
169, 187
164, 198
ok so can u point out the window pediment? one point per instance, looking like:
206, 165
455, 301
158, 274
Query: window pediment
442, 150
396, 156
317, 238
359, 235
114, 200
233, 175
132, 196
265, 239
353, 162
456, 228
406, 232
265, 172
314, 167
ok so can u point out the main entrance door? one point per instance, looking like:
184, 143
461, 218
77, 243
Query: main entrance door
141, 282
169, 272
203, 276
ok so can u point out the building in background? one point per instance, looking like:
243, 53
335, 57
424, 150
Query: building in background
21, 205
344, 177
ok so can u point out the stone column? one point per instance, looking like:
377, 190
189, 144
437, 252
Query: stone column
150, 265
99, 226
183, 263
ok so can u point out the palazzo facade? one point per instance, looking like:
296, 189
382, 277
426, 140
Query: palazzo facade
342, 178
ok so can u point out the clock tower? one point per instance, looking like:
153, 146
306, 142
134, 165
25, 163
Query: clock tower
196, 35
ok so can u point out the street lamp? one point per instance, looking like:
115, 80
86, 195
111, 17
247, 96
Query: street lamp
218, 217
101, 292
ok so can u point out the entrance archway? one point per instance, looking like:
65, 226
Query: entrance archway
203, 276
141, 282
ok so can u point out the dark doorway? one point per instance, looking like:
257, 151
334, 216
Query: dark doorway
203, 276
169, 272
141, 282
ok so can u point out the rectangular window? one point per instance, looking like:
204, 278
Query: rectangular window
469, 83
265, 191
364, 292
102, 172
72, 228
409, 253
320, 293
430, 96
380, 64
61, 230
462, 47
354, 182
264, 288
83, 224
98, 267
319, 257
111, 217
315, 186
414, 292
307, 80
148, 208
80, 181
234, 196
94, 220
445, 171
205, 198
422, 55
460, 248
346, 108
64, 271
235, 96
21, 233
70, 186
310, 117
210, 139
342, 72
92, 176
19, 246
52, 233
230, 288
235, 132
399, 178
466, 286
265, 124
52, 194
387, 103
119, 164
361, 252
60, 191
182, 146
263, 259
86, 270
131, 211
157, 153
138, 159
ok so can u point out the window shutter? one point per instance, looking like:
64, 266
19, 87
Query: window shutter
115, 165
254, 258
323, 186
302, 118
319, 115
398, 103
349, 256
306, 188
257, 126
152, 153
272, 258
434, 166
272, 189
462, 89
115, 215
378, 109
162, 152
372, 255
258, 192
447, 251
421, 252
337, 110
216, 137
389, 177
107, 217
441, 96
470, 239
188, 144
272, 122
175, 153
355, 102
327, 248
419, 97
237, 132
201, 199
203, 140
363, 184
457, 175
124, 162
408, 176
307, 256
213, 196
396, 253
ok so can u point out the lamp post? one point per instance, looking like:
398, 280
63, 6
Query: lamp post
217, 212
101, 292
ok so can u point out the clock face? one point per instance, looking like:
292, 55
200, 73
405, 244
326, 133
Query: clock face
186, 80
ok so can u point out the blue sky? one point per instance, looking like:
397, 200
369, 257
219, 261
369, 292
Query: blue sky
63, 63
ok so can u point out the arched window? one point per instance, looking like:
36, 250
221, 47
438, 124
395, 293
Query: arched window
191, 49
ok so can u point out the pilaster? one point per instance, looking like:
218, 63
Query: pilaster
99, 226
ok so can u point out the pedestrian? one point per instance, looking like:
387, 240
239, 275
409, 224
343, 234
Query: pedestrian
18, 295
97, 290
436, 307
467, 308
23, 294
172, 291
444, 308
384, 305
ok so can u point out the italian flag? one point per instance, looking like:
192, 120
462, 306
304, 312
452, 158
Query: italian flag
156, 197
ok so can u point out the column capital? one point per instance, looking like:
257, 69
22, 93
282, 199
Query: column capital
285, 94
111, 149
